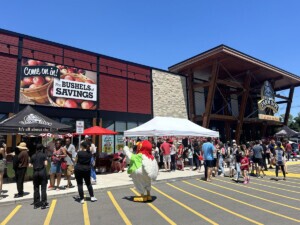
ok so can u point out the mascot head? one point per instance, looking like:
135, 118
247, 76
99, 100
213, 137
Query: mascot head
146, 149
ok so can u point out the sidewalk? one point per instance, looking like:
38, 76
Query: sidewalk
104, 182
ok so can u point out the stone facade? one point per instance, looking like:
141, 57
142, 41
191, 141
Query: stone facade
169, 94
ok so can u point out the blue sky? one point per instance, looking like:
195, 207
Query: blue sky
161, 33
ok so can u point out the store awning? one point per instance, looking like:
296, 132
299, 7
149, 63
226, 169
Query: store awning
169, 126
30, 121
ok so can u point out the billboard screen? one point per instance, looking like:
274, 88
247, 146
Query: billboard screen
49, 84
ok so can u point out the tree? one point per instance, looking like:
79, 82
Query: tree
290, 121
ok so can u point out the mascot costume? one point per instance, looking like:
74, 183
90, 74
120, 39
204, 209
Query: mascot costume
142, 169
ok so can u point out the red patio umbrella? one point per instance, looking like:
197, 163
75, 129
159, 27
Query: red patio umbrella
96, 130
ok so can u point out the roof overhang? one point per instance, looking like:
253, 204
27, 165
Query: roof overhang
238, 62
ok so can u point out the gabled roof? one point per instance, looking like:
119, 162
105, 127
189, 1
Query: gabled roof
223, 51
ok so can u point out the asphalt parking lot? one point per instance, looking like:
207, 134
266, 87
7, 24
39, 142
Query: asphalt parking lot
182, 201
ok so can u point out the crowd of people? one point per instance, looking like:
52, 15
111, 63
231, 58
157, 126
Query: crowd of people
62, 157
249, 159
242, 161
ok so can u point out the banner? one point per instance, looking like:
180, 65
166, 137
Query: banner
119, 142
49, 84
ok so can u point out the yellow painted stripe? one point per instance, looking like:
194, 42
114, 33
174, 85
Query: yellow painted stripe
216, 205
254, 196
291, 182
244, 203
117, 206
166, 218
85, 211
185, 206
259, 190
279, 183
287, 190
293, 163
293, 175
50, 212
8, 218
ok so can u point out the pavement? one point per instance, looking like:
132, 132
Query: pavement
181, 197
104, 182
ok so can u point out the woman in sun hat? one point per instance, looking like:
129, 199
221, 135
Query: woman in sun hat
23, 161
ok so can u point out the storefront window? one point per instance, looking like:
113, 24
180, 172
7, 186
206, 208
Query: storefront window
131, 125
120, 126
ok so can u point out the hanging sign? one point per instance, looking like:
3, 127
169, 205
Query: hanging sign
268, 98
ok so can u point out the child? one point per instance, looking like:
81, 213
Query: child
190, 156
245, 168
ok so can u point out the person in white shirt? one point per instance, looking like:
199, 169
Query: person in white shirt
70, 159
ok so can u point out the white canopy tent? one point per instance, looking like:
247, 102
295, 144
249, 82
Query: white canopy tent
169, 126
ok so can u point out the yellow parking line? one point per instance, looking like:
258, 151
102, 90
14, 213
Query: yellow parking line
287, 185
293, 163
253, 196
215, 205
185, 206
259, 190
120, 211
289, 175
50, 212
297, 192
8, 218
244, 203
166, 218
85, 211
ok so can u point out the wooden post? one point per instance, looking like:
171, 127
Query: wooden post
227, 131
288, 106
211, 94
240, 122
191, 96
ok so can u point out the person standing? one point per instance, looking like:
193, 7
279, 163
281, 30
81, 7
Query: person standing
161, 158
245, 168
208, 150
2, 164
39, 163
221, 159
70, 152
23, 161
55, 169
83, 171
166, 150
172, 155
257, 158
279, 159
238, 155
196, 155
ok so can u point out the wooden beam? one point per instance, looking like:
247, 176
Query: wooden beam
201, 85
282, 102
230, 83
222, 117
288, 107
240, 122
283, 97
211, 94
191, 96
227, 131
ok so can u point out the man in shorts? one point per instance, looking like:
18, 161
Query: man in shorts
208, 150
70, 159
258, 159
166, 150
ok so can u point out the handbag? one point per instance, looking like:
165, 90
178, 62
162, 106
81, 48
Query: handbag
63, 165
200, 157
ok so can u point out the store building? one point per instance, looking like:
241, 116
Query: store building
235, 93
218, 89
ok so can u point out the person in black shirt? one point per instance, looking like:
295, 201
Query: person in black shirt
83, 171
39, 163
